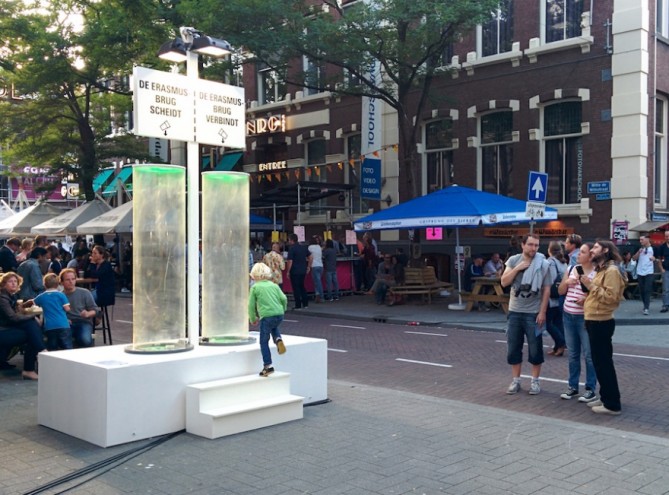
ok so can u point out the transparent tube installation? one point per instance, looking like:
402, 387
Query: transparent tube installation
159, 259
225, 258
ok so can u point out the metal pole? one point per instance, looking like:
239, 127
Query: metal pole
193, 222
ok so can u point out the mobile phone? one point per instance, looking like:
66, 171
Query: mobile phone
579, 269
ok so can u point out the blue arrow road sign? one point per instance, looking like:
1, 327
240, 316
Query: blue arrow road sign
537, 187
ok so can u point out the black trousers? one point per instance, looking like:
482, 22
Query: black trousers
600, 334
299, 290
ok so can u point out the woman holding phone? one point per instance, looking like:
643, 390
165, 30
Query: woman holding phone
578, 343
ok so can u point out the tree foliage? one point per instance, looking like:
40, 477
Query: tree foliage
70, 61
409, 38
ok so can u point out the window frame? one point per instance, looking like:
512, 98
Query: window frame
545, 28
566, 139
660, 152
480, 31
499, 147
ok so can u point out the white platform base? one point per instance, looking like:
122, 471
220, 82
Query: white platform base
107, 397
225, 407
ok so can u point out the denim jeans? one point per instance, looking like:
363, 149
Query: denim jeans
269, 326
82, 332
521, 326
555, 326
58, 338
578, 344
646, 288
332, 284
601, 345
317, 277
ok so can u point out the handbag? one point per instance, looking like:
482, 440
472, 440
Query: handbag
556, 283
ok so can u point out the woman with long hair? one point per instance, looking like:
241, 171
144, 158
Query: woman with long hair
16, 328
578, 343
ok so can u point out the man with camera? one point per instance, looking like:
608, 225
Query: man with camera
529, 277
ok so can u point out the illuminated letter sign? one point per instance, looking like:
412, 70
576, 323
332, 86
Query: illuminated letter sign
264, 167
275, 123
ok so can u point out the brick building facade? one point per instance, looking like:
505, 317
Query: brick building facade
574, 88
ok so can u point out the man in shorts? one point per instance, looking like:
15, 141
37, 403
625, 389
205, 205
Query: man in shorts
529, 277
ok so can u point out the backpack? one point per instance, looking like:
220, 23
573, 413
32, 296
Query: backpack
556, 283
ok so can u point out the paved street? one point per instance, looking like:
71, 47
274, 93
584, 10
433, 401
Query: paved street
414, 409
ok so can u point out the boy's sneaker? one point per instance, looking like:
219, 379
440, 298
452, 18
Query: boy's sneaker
534, 387
266, 371
588, 396
645, 312
594, 403
571, 392
514, 388
280, 346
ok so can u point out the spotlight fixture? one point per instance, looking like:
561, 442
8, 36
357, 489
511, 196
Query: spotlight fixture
173, 51
214, 47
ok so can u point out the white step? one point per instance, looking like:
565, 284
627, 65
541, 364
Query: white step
234, 405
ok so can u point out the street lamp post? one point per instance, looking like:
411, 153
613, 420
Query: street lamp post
187, 48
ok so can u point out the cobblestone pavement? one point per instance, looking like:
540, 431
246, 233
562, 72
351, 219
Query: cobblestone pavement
402, 430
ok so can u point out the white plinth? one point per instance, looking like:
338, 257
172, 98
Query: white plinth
107, 397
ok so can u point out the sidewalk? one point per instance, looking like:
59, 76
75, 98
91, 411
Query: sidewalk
632, 327
365, 441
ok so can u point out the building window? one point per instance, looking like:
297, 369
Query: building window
357, 204
563, 19
563, 151
660, 175
317, 172
497, 33
439, 154
496, 131
271, 86
662, 18
313, 76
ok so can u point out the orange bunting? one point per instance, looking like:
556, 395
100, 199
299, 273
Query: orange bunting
340, 165
318, 171
396, 148
269, 177
376, 154
308, 172
277, 176
329, 167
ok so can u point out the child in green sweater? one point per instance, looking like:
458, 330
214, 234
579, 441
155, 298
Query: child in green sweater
268, 303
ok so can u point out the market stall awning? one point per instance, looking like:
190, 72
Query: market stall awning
228, 162
649, 226
101, 179
305, 192
124, 175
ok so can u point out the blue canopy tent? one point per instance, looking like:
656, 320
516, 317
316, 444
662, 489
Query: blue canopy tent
263, 223
453, 206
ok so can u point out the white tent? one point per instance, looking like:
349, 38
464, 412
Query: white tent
117, 220
67, 222
23, 221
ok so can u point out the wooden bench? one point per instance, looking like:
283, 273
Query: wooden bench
477, 294
420, 281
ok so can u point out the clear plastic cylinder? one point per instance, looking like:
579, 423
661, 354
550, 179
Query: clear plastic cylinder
225, 258
159, 259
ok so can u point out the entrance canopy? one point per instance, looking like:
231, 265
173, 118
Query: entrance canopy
298, 193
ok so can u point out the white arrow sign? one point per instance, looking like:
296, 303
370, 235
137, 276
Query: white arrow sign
538, 188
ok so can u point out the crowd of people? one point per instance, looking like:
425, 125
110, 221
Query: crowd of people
41, 307
572, 294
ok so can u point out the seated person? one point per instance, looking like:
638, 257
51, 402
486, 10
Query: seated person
82, 308
475, 269
385, 278
494, 267
17, 328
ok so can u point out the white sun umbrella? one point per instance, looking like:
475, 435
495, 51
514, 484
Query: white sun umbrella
115, 221
25, 220
68, 222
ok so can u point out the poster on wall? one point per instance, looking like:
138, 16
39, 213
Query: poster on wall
620, 232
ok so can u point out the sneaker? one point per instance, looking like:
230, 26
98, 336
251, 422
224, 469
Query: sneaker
594, 403
514, 388
571, 392
281, 347
266, 371
588, 396
124, 290
645, 312
603, 410
664, 309
534, 387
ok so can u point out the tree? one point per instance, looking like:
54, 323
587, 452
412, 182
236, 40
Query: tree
408, 38
70, 60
